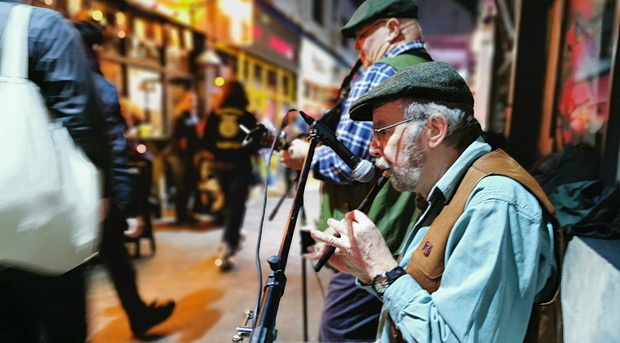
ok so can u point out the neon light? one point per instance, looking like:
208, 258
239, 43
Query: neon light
281, 46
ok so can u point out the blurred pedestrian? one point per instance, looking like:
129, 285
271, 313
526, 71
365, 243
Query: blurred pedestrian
126, 207
231, 163
389, 38
36, 307
181, 155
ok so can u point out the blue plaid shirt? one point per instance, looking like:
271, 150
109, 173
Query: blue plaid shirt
355, 135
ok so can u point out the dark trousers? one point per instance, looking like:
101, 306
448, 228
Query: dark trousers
235, 184
350, 314
36, 308
185, 180
119, 264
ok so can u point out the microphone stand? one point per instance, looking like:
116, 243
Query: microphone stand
265, 331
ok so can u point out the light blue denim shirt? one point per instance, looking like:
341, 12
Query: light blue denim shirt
499, 257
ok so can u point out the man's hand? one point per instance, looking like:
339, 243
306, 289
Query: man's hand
135, 227
315, 251
294, 157
360, 249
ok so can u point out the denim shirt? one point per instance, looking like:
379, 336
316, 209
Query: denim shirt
498, 259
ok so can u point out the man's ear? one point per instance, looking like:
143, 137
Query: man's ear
436, 129
394, 30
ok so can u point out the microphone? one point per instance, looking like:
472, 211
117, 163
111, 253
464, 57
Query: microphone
363, 170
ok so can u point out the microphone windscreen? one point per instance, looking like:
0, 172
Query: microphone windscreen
364, 171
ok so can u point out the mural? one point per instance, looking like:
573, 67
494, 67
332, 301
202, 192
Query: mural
582, 103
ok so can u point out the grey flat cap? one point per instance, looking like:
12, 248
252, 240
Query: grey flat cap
435, 81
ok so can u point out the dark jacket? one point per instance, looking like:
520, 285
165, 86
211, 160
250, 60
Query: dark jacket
57, 64
185, 138
223, 136
123, 183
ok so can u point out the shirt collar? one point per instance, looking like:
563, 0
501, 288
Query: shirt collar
447, 185
407, 46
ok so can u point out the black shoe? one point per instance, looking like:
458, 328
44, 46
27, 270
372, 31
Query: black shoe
224, 259
153, 315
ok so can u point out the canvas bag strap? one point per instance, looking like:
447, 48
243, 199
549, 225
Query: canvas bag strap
15, 43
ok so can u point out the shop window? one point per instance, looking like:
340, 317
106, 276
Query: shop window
272, 82
158, 34
317, 11
145, 92
112, 44
335, 10
285, 86
143, 43
343, 40
246, 69
258, 76
233, 64
177, 58
188, 39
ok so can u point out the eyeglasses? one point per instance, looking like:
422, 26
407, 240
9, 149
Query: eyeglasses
376, 132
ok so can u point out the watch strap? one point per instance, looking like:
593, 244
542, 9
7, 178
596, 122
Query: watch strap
382, 281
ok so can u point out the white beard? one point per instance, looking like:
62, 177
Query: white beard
406, 177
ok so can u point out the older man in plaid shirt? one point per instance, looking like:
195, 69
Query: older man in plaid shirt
388, 38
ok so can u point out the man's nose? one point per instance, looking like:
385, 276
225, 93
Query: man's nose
375, 148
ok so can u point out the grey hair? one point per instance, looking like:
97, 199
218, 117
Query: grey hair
463, 127
411, 28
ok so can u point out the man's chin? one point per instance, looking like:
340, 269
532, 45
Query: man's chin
400, 184
395, 184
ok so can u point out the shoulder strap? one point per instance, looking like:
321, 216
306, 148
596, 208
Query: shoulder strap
14, 62
427, 262
402, 61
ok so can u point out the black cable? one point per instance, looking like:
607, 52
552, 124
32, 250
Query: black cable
262, 222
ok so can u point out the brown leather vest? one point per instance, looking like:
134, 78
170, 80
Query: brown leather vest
427, 262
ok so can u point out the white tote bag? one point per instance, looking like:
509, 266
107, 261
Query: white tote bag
49, 190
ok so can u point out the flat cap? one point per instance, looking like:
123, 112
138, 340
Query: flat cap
371, 10
434, 81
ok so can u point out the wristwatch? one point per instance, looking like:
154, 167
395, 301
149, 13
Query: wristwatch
382, 281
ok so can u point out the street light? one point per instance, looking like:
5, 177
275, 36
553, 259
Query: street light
211, 61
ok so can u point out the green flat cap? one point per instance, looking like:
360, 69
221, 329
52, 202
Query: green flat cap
372, 10
435, 81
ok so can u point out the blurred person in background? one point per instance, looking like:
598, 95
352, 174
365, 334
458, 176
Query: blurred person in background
125, 211
388, 37
36, 307
181, 154
231, 163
